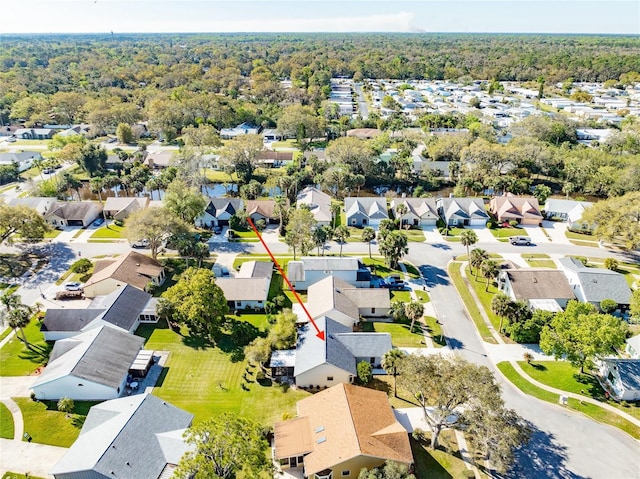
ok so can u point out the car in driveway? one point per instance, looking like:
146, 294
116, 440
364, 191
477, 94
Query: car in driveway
73, 286
520, 240
217, 230
98, 222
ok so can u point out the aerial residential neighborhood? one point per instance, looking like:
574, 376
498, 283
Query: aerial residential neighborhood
319, 256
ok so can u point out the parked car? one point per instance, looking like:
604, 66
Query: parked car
520, 240
217, 230
11, 139
73, 286
98, 222
143, 243
224, 271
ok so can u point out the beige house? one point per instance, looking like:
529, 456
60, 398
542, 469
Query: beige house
524, 210
339, 431
134, 269
121, 208
73, 213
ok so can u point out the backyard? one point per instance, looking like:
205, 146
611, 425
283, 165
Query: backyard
207, 380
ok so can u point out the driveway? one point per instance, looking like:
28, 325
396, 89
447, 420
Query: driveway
535, 233
15, 386
28, 457
556, 231
431, 234
483, 233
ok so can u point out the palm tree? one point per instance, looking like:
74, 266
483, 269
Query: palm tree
17, 314
340, 234
500, 305
368, 235
336, 208
391, 363
468, 238
490, 270
476, 258
401, 210
414, 311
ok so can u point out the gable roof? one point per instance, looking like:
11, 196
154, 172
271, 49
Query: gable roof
529, 283
123, 306
342, 417
122, 203
133, 437
597, 283
265, 208
256, 269
59, 319
516, 207
102, 355
368, 297
319, 203
465, 208
133, 268
244, 289
556, 205
328, 294
74, 210
420, 207
41, 204
217, 206
312, 351
372, 207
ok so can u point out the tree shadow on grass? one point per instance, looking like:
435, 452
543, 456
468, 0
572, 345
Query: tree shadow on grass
592, 386
539, 367
542, 458
36, 353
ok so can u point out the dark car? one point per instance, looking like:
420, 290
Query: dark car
217, 230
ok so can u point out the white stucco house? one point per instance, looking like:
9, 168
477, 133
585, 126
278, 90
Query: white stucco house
622, 378
249, 289
91, 366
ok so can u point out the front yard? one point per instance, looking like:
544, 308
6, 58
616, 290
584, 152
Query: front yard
18, 360
502, 232
110, 231
6, 423
401, 337
536, 260
207, 380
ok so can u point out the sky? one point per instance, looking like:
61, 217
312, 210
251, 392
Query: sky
504, 16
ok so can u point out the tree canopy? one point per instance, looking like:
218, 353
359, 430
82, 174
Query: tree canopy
154, 225
23, 221
617, 219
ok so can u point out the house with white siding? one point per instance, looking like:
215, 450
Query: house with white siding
308, 270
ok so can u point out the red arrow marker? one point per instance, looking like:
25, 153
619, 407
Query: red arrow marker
319, 333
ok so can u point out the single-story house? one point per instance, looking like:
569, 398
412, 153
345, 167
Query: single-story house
137, 437
74, 213
274, 159
567, 210
122, 309
333, 360
420, 211
532, 285
35, 133
364, 133
343, 302
241, 129
135, 269
340, 431
218, 212
42, 204
159, 159
462, 211
593, 285
441, 169
524, 210
90, 366
311, 269
270, 134
262, 210
621, 378
318, 202
369, 211
250, 287
632, 347
119, 208
23, 160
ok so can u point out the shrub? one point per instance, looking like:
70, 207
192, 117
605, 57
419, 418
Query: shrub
608, 306
81, 266
66, 405
611, 263
118, 222
365, 372
528, 357
513, 223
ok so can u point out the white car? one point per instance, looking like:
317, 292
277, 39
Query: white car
520, 240
73, 286
143, 243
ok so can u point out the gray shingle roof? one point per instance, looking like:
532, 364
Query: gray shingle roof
363, 345
133, 437
69, 319
463, 208
217, 206
327, 294
311, 351
124, 305
597, 283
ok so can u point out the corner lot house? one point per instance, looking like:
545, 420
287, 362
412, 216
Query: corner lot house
311, 269
92, 366
365, 211
121, 208
74, 213
337, 433
462, 211
334, 360
540, 288
524, 210
318, 202
218, 212
592, 285
622, 378
123, 309
250, 288
137, 437
134, 269
420, 211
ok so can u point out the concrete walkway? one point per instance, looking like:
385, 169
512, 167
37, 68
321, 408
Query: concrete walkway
28, 457
18, 423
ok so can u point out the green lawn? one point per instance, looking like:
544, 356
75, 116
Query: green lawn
439, 464
594, 412
15, 475
412, 271
282, 260
17, 360
561, 375
221, 177
283, 144
401, 296
46, 425
422, 296
110, 231
539, 260
401, 337
52, 233
6, 423
506, 232
467, 299
207, 380
435, 331
579, 236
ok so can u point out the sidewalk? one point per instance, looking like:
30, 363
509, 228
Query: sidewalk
28, 457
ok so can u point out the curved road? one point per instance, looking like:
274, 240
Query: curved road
564, 444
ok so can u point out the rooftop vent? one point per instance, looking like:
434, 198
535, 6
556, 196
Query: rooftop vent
319, 429
320, 440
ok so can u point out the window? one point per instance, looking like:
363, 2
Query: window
345, 473
329, 378
373, 310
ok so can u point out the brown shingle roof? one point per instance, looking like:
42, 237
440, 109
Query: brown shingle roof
293, 438
135, 269
347, 421
539, 284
